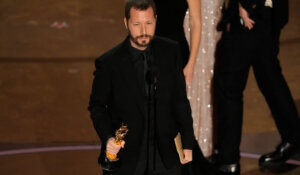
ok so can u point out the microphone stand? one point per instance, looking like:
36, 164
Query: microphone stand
154, 121
152, 101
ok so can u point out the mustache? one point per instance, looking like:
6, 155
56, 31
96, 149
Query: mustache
142, 36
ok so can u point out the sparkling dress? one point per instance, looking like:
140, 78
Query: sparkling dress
199, 91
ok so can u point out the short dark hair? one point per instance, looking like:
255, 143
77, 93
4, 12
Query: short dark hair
139, 5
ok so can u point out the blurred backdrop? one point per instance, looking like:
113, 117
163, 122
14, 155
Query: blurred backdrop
47, 52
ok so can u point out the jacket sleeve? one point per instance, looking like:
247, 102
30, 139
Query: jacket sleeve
99, 101
182, 107
281, 8
229, 11
247, 4
251, 5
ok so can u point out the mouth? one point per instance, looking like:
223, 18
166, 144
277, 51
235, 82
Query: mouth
142, 40
143, 37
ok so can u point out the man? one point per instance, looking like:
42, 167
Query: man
251, 38
120, 94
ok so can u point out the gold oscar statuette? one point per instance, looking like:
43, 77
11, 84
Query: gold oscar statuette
120, 135
110, 162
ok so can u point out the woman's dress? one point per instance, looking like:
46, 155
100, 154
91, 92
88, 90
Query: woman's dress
199, 91
173, 23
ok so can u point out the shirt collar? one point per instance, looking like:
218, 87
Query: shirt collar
136, 53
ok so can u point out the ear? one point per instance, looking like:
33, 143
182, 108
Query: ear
125, 22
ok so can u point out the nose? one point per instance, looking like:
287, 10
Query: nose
143, 29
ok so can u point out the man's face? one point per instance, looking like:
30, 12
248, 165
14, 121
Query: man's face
141, 27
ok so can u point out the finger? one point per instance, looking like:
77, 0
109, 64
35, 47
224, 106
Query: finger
188, 158
185, 161
113, 148
248, 25
248, 20
122, 144
251, 21
111, 151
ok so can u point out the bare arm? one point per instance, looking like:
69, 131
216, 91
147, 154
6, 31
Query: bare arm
195, 37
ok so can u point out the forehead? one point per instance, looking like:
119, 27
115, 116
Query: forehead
141, 14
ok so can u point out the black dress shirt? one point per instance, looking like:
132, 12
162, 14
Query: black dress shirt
141, 60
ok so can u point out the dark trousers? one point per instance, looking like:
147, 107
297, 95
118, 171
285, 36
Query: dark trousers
160, 169
242, 49
149, 162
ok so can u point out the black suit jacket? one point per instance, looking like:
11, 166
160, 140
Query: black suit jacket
117, 98
255, 7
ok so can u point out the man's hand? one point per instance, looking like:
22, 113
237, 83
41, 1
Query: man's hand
248, 22
188, 156
112, 147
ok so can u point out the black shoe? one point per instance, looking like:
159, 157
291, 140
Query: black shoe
282, 153
229, 169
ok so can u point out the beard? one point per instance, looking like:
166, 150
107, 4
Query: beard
143, 43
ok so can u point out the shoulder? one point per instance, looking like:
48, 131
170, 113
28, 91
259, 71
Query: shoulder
167, 50
159, 41
110, 56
